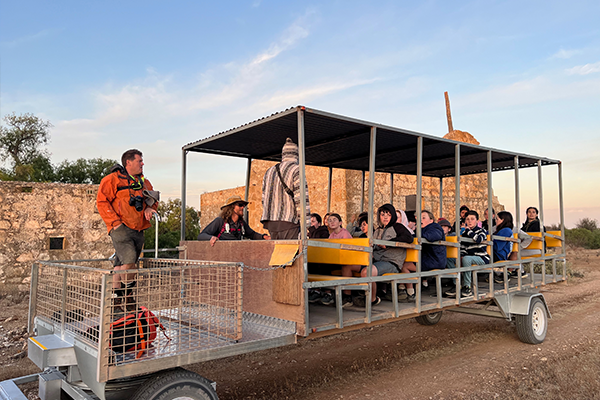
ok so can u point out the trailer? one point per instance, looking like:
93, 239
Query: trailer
242, 296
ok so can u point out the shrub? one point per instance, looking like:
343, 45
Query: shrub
581, 237
587, 223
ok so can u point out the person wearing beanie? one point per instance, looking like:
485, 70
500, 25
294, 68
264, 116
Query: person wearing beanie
281, 196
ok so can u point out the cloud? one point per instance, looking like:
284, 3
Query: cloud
256, 3
566, 54
28, 38
584, 69
531, 91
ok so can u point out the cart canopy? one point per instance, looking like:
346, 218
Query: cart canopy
337, 141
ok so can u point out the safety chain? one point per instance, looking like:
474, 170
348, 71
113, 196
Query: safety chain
273, 267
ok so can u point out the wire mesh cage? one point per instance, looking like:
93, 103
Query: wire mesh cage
196, 305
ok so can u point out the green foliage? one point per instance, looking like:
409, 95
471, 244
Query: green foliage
581, 237
169, 227
22, 141
587, 223
83, 170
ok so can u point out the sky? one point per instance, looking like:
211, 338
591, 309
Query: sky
156, 75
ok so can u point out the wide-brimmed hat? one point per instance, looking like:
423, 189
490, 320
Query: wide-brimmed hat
234, 199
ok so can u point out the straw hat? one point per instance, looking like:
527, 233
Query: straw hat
234, 199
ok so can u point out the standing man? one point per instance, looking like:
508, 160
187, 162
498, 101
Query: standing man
126, 203
281, 196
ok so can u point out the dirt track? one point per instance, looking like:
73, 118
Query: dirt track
463, 356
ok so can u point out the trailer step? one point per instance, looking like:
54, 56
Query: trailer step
51, 351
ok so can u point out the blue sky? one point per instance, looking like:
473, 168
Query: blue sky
522, 76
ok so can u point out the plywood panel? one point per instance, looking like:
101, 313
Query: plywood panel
258, 286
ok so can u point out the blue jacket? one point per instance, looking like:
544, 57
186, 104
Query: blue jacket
433, 256
501, 248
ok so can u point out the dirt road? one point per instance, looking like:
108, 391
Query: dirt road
462, 357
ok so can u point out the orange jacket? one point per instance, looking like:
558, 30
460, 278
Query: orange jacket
113, 205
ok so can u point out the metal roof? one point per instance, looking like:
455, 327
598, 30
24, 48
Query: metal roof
337, 141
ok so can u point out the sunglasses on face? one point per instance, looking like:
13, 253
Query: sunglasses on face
240, 204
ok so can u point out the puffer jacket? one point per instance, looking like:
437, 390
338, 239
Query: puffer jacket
113, 203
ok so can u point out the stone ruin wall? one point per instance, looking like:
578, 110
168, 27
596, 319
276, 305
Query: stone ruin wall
346, 193
31, 213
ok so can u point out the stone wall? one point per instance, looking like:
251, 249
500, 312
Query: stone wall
346, 191
33, 213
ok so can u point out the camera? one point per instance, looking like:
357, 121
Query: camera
137, 202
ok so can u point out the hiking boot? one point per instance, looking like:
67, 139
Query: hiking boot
346, 301
327, 299
499, 278
314, 296
466, 291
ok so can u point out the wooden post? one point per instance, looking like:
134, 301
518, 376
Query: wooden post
448, 114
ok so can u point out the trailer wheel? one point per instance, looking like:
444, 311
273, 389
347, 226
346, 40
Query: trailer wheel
532, 328
177, 384
429, 319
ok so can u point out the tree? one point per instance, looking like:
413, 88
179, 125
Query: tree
587, 223
83, 170
22, 141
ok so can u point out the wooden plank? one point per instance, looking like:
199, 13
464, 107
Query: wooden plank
284, 279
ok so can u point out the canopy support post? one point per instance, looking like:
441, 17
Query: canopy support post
247, 193
391, 188
362, 193
183, 192
329, 183
372, 155
490, 205
302, 161
418, 211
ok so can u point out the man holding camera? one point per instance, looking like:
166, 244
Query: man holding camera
126, 202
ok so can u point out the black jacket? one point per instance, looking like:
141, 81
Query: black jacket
230, 231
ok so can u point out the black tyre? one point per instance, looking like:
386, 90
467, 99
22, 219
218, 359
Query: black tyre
429, 319
532, 328
177, 384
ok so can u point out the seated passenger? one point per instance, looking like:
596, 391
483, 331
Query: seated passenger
446, 226
335, 228
316, 230
533, 222
485, 223
385, 260
432, 256
363, 223
504, 227
471, 253
230, 225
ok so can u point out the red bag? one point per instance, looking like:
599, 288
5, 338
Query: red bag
134, 331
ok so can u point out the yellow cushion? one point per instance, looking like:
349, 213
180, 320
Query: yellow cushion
535, 244
412, 255
338, 256
552, 242
452, 252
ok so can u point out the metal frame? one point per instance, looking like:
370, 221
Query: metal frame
420, 306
